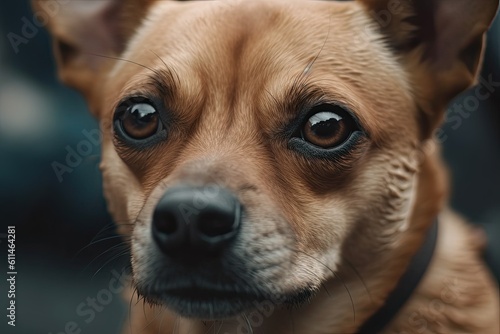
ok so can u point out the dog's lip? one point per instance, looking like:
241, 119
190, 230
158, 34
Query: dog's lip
197, 293
206, 303
185, 289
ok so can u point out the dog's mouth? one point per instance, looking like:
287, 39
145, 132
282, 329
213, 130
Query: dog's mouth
221, 302
209, 295
206, 303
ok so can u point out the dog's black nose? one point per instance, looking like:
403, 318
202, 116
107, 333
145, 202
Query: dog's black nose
196, 221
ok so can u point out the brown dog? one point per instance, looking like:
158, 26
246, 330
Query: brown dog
280, 153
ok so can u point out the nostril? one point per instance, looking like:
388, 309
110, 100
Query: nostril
167, 230
213, 224
166, 223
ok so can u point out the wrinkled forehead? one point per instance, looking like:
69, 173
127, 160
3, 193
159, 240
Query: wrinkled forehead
264, 48
275, 35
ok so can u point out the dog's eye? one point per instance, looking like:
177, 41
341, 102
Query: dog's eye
328, 126
139, 120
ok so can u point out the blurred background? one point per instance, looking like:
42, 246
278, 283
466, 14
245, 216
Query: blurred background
67, 251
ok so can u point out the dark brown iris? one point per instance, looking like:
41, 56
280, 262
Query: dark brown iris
327, 129
140, 121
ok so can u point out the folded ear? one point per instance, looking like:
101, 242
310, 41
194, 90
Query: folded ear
440, 41
86, 32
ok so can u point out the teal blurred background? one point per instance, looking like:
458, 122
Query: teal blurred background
41, 121
55, 218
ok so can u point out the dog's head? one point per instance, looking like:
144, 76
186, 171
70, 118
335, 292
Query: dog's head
255, 146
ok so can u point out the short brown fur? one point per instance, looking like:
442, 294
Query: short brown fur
233, 75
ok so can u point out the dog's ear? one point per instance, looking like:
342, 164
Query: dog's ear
441, 42
86, 32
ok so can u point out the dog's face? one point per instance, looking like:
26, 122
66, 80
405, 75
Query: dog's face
246, 143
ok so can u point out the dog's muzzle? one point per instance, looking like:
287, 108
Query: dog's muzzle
204, 263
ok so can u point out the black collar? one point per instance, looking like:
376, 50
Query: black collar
405, 287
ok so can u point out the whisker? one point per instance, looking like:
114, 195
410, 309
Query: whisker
125, 245
220, 327
161, 322
323, 285
250, 329
335, 274
355, 270
104, 228
177, 325
114, 247
125, 252
173, 75
155, 317
311, 64
98, 241
95, 239
208, 329
272, 96
350, 296
125, 60
130, 308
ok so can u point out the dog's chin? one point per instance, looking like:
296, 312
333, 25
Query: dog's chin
211, 304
